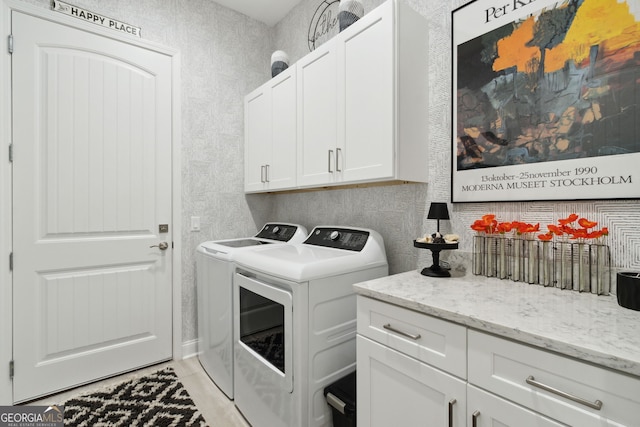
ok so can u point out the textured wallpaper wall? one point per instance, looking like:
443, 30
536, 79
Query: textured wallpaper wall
225, 55
399, 213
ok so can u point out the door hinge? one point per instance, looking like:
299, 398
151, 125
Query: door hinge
11, 261
10, 153
10, 44
11, 369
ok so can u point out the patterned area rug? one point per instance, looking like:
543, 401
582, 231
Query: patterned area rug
158, 399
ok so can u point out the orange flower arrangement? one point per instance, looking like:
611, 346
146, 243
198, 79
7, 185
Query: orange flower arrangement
565, 228
488, 224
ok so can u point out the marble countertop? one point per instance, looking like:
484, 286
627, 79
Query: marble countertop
589, 327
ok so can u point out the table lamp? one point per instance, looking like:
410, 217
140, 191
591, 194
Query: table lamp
438, 211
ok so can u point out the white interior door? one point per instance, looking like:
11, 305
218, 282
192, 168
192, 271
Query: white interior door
92, 183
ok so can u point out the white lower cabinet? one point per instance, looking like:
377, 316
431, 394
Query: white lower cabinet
411, 368
567, 390
397, 390
419, 370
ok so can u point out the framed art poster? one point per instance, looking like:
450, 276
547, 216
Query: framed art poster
546, 100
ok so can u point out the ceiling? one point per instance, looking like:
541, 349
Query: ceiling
268, 11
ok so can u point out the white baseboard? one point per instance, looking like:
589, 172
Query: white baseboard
189, 349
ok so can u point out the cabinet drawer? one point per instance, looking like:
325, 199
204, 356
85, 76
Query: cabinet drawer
434, 341
503, 367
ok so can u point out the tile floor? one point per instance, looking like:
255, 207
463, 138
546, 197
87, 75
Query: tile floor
215, 407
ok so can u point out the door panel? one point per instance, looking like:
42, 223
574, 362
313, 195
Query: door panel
397, 390
366, 98
257, 137
92, 182
317, 120
282, 166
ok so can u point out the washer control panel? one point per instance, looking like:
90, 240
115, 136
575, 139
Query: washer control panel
280, 232
339, 238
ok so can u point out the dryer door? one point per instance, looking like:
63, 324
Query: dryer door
264, 331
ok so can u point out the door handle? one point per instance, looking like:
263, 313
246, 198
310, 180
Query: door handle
474, 419
595, 405
414, 337
329, 161
162, 246
451, 403
338, 150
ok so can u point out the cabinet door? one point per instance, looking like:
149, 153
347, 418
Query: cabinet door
366, 103
281, 166
257, 137
317, 119
487, 410
397, 390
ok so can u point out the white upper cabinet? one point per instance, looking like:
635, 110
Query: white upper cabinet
362, 105
381, 95
270, 135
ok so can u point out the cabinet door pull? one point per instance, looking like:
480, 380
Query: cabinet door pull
266, 173
329, 161
474, 418
414, 337
338, 150
262, 173
595, 405
451, 403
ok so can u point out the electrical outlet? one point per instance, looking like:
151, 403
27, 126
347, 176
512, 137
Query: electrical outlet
195, 223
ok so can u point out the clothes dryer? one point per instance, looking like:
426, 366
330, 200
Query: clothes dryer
295, 322
215, 268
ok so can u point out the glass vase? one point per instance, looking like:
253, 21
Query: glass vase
581, 275
503, 257
516, 255
600, 263
479, 255
533, 261
563, 265
492, 256
546, 264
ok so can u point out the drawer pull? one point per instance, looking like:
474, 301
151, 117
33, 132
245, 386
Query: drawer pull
474, 418
595, 405
414, 337
451, 403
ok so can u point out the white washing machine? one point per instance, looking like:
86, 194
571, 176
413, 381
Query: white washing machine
295, 322
215, 268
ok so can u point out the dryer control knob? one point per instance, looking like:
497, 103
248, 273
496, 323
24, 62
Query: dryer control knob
275, 230
335, 235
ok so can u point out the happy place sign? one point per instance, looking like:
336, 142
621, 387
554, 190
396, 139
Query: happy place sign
95, 18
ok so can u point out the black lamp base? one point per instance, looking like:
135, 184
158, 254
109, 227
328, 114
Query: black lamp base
435, 271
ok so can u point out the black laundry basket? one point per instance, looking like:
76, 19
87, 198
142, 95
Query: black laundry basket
341, 397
